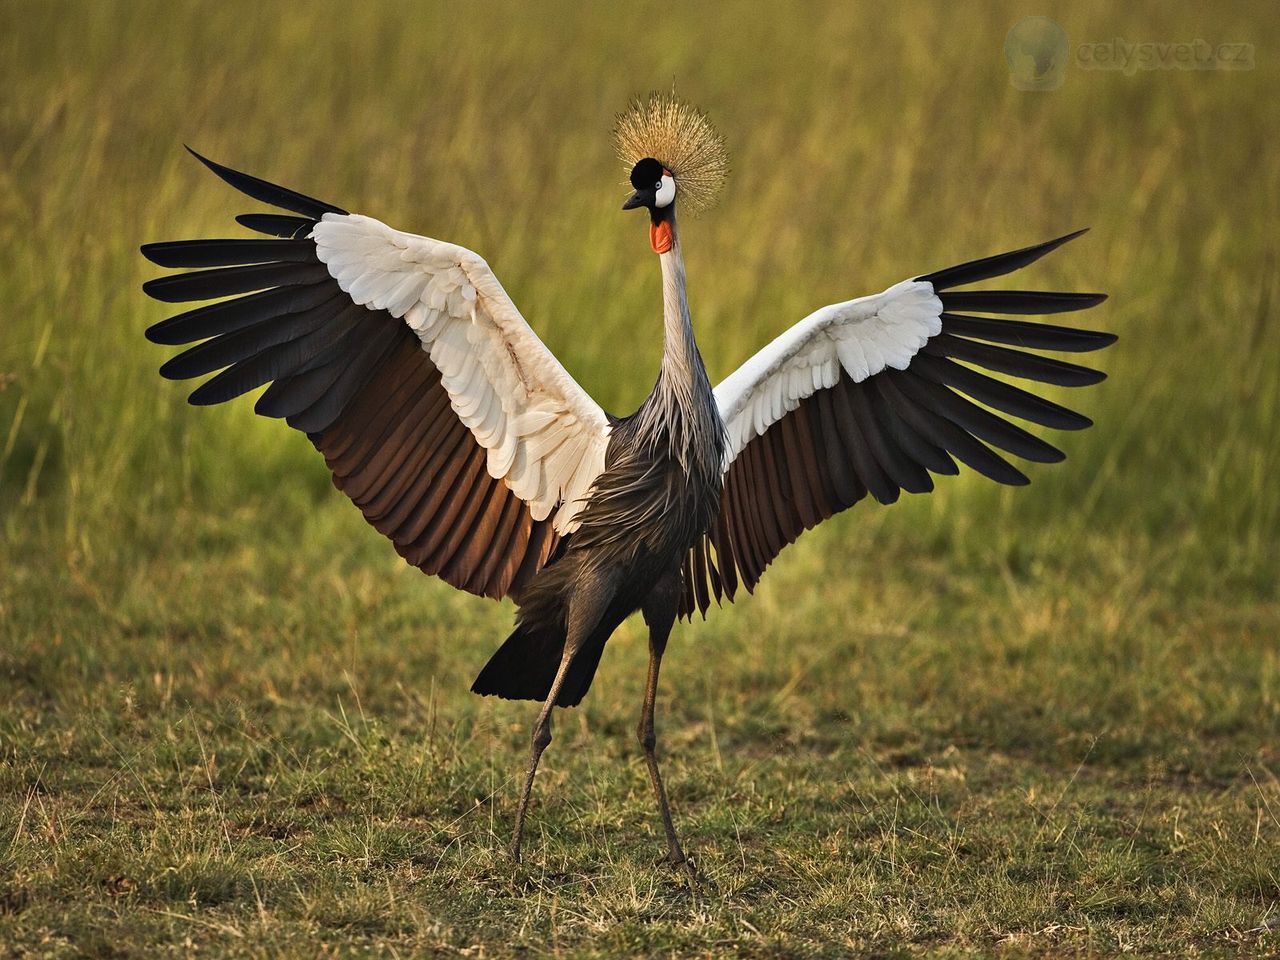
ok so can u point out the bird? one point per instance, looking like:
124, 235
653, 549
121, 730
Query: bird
462, 438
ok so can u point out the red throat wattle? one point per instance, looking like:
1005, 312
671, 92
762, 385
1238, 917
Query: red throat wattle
660, 237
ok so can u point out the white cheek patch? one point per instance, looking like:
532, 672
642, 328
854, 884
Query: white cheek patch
666, 191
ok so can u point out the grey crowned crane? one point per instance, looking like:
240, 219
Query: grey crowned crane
461, 437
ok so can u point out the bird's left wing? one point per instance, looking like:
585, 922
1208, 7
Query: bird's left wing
866, 396
440, 412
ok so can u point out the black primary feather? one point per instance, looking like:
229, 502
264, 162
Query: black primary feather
269, 192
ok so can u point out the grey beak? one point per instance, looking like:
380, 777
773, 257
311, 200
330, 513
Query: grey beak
637, 199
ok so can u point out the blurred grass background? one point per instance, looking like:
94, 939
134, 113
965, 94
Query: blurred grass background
1029, 721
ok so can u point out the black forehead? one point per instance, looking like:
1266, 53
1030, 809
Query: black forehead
646, 173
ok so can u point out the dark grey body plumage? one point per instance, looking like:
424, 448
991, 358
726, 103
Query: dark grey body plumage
659, 492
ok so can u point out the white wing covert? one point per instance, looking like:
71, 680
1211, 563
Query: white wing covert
858, 338
543, 433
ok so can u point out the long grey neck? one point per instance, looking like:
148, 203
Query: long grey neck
681, 362
682, 405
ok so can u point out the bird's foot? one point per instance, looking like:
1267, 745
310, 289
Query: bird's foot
676, 859
513, 852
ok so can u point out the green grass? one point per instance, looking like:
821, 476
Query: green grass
1033, 722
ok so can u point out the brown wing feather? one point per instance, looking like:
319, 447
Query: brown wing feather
421, 480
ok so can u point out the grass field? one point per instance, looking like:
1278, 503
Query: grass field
1030, 722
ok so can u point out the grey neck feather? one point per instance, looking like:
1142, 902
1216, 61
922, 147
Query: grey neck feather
682, 408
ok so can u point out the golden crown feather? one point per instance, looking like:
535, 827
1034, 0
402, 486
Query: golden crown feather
680, 137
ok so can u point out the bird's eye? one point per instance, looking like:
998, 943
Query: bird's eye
658, 185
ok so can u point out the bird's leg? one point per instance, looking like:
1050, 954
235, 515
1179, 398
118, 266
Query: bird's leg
649, 742
589, 602
541, 738
660, 614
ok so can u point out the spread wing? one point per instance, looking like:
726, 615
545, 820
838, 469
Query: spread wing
440, 412
874, 396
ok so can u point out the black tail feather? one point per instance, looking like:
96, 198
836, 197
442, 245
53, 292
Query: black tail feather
525, 666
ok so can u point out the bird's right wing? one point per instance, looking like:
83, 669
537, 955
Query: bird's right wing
865, 396
440, 412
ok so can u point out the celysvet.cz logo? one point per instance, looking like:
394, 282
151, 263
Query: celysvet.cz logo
1038, 55
1037, 52
1130, 57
